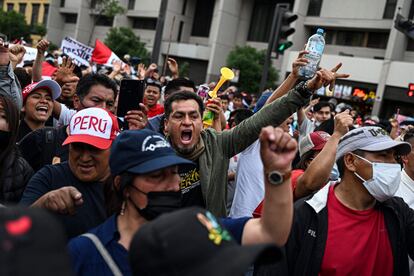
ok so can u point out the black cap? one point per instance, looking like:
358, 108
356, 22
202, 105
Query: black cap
192, 242
32, 243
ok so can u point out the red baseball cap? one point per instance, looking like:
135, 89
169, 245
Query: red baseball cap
50, 85
94, 126
313, 141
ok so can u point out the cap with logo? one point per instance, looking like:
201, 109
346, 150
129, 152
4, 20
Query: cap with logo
193, 242
94, 126
313, 141
49, 85
142, 151
370, 138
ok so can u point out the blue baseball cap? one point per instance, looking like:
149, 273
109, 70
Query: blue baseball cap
142, 151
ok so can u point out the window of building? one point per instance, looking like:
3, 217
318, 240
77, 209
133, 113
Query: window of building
22, 8
45, 14
35, 14
350, 38
131, 4
314, 8
202, 18
377, 40
62, 3
261, 21
145, 23
10, 7
184, 7
93, 4
411, 13
410, 45
105, 21
389, 10
71, 18
180, 31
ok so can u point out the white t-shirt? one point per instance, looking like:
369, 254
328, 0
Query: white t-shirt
249, 182
306, 127
406, 192
65, 115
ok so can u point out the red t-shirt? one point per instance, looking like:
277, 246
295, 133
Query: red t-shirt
155, 110
357, 241
257, 213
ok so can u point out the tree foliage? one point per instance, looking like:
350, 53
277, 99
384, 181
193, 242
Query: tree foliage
123, 41
108, 8
250, 63
14, 25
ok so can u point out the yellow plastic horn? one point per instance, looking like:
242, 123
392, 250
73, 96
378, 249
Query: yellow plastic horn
226, 74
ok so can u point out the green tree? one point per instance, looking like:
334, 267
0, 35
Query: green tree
39, 30
104, 8
250, 63
123, 41
14, 25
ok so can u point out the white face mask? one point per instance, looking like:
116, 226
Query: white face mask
385, 179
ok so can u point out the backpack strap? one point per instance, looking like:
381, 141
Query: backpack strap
104, 253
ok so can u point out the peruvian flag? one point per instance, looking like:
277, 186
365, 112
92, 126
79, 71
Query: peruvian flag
103, 55
47, 70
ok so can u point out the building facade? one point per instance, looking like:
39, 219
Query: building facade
35, 11
359, 34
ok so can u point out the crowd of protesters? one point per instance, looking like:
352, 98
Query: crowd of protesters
283, 183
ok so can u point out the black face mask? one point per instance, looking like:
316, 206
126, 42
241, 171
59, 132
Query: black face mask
4, 138
159, 203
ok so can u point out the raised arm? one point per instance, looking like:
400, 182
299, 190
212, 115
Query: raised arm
9, 85
291, 80
37, 65
243, 135
277, 151
318, 172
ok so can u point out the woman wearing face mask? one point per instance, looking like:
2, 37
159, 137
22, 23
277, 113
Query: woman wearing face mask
15, 172
146, 183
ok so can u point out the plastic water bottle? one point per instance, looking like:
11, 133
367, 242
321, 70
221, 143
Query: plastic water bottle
315, 46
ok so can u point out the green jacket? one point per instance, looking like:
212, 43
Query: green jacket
220, 147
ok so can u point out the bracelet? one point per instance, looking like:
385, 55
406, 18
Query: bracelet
303, 90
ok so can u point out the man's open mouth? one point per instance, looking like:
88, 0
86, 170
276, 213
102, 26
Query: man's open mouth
42, 109
186, 136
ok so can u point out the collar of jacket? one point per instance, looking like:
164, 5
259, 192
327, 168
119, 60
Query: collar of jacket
319, 200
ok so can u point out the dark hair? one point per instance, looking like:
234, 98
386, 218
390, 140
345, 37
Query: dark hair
304, 159
176, 84
77, 71
321, 105
238, 95
85, 84
341, 163
12, 117
224, 97
24, 78
113, 197
182, 96
239, 115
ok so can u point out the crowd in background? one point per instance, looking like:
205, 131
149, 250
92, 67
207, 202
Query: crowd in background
269, 167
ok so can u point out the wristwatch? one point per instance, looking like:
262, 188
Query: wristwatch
277, 178
303, 90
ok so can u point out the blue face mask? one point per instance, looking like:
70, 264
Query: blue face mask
385, 181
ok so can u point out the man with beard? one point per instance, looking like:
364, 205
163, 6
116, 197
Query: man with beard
205, 183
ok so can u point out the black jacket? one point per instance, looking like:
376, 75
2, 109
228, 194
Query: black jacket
306, 245
13, 180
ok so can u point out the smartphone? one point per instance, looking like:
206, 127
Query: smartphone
131, 94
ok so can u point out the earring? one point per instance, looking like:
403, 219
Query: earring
123, 208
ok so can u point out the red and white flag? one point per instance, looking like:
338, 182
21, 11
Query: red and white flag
103, 55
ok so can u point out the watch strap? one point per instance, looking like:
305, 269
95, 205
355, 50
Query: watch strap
303, 90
